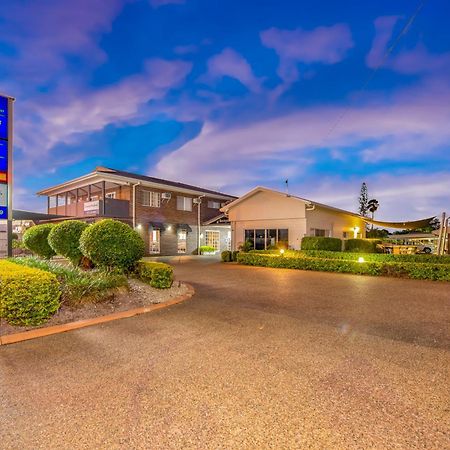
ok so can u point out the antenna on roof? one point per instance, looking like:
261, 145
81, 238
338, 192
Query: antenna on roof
287, 187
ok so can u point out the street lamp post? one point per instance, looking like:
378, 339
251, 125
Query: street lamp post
198, 202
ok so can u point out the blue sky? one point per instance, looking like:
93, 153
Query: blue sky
233, 94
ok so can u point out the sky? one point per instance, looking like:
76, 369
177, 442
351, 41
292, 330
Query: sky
230, 95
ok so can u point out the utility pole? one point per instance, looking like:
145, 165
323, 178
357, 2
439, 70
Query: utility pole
199, 222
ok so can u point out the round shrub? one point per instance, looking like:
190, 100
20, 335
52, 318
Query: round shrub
35, 239
111, 244
64, 239
28, 296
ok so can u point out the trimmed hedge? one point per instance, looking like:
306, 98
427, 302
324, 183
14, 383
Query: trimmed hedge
207, 249
64, 239
27, 296
376, 257
361, 245
78, 286
158, 275
401, 269
321, 243
35, 239
228, 256
111, 244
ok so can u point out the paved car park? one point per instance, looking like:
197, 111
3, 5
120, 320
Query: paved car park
258, 358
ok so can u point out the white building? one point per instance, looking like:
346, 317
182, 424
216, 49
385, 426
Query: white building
267, 217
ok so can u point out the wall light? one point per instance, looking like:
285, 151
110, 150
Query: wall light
169, 228
361, 259
355, 232
139, 226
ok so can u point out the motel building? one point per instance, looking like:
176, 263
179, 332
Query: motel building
170, 216
266, 218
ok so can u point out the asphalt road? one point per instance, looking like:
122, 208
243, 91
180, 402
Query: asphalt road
259, 358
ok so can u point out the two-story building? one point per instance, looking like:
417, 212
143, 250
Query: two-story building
171, 217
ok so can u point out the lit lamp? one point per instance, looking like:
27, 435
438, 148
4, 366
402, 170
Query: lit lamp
355, 232
282, 252
139, 226
361, 259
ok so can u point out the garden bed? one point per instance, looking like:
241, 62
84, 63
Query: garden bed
138, 294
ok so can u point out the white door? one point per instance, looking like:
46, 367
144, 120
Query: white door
155, 241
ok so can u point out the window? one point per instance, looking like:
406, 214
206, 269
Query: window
110, 194
182, 238
267, 238
184, 203
345, 234
212, 239
213, 204
319, 232
152, 199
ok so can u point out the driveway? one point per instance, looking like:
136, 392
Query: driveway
258, 358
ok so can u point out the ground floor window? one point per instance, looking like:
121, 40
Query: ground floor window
228, 241
319, 232
265, 239
212, 239
155, 241
182, 241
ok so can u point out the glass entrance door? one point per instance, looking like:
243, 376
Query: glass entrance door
155, 241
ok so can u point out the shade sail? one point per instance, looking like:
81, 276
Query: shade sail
412, 225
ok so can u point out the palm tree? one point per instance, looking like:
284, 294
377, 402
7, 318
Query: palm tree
372, 206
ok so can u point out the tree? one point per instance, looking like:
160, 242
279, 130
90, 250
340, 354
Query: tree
363, 200
372, 206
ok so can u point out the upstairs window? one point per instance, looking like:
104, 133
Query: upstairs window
213, 204
150, 198
184, 203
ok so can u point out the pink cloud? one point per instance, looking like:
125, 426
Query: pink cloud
407, 127
232, 64
325, 45
384, 27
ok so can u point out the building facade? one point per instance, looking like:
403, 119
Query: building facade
268, 218
171, 217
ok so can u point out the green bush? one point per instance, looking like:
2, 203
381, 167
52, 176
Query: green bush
226, 256
399, 269
207, 249
158, 275
361, 245
111, 244
234, 255
64, 239
321, 243
246, 246
27, 296
35, 239
77, 286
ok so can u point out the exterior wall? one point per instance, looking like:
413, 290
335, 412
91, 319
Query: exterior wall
336, 222
266, 210
225, 235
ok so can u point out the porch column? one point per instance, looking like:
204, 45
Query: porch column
103, 198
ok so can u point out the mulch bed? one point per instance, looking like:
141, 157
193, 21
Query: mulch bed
139, 294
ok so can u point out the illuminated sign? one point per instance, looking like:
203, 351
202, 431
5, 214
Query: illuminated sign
3, 118
5, 155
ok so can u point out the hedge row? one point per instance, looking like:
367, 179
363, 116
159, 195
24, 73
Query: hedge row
158, 275
321, 243
395, 269
361, 245
28, 296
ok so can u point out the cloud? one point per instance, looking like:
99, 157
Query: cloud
324, 45
158, 3
418, 60
40, 126
44, 33
408, 127
232, 64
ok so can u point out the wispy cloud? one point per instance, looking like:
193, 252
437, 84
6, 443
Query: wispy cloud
231, 63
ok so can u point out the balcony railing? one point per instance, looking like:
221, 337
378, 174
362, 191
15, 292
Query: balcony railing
112, 208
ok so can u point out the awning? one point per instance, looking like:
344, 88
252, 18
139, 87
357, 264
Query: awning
412, 225
19, 214
184, 226
156, 226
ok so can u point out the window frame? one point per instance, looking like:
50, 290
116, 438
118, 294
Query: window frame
186, 201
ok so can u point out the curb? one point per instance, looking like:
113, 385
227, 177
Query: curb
56, 329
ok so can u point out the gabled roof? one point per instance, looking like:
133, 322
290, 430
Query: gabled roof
309, 203
128, 177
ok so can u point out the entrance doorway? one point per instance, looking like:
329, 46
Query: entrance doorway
155, 241
182, 240
212, 239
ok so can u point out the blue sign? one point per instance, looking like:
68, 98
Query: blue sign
3, 156
3, 212
3, 118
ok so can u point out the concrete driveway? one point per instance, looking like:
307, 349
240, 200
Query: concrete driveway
259, 358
